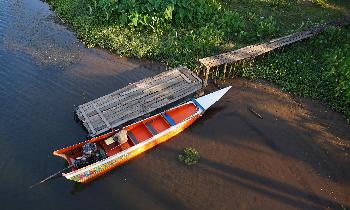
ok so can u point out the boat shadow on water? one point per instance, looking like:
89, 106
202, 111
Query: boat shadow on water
209, 114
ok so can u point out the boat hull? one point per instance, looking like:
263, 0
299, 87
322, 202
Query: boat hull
98, 170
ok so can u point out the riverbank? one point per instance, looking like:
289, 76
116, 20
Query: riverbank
179, 32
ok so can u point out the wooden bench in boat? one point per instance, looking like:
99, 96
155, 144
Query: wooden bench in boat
151, 128
132, 137
137, 99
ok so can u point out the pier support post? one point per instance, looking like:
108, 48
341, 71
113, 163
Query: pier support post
206, 77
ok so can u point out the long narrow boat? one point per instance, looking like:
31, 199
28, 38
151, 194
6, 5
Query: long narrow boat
96, 156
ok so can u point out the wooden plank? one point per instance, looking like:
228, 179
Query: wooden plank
146, 85
254, 50
130, 100
150, 80
113, 100
162, 87
133, 100
116, 102
150, 107
151, 128
89, 103
185, 78
149, 104
190, 74
101, 116
87, 120
135, 111
119, 114
132, 137
163, 94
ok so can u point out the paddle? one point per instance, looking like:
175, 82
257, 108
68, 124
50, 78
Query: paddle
50, 177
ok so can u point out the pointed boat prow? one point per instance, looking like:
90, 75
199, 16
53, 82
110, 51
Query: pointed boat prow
208, 100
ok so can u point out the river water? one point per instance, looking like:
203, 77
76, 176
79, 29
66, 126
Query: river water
44, 72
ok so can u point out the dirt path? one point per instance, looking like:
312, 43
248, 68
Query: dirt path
296, 157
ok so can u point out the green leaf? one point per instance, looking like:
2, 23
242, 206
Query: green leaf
168, 13
123, 19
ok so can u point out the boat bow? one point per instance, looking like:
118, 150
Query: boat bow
208, 100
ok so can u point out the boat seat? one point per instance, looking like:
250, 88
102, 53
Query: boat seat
109, 141
108, 144
132, 137
170, 120
151, 128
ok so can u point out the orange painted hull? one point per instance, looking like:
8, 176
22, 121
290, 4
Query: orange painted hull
133, 154
145, 135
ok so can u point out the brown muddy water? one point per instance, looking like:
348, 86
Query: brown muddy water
296, 157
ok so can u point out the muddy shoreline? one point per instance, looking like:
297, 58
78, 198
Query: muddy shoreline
290, 159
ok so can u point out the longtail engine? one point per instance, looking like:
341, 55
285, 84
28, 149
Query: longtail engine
91, 154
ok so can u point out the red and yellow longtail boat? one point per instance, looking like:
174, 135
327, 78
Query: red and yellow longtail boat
96, 156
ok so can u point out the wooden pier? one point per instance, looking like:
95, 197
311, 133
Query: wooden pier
259, 49
254, 50
137, 99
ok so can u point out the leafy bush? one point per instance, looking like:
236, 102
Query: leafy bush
190, 156
152, 13
175, 31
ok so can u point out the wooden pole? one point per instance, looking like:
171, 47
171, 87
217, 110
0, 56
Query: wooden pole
52, 176
225, 68
206, 77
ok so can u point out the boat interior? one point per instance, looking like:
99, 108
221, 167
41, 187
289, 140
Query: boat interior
136, 133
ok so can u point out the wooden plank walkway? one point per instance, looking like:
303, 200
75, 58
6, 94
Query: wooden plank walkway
259, 49
254, 50
137, 99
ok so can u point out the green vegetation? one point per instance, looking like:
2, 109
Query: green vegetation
321, 70
190, 156
181, 31
173, 31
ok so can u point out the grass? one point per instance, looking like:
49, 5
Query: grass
181, 31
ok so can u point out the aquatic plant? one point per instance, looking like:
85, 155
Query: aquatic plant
189, 156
